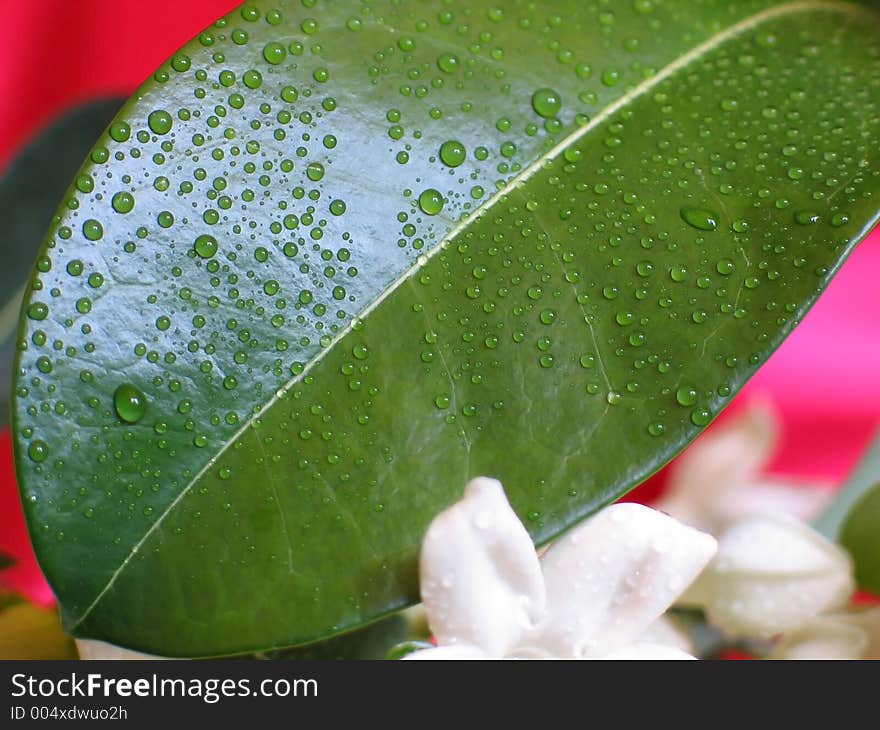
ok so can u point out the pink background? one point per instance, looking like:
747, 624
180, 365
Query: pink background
54, 53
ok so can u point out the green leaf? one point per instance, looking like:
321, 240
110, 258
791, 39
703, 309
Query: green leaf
6, 561
859, 483
858, 535
29, 193
292, 325
370, 642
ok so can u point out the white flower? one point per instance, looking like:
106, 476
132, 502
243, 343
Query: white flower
846, 635
717, 480
90, 649
593, 594
773, 574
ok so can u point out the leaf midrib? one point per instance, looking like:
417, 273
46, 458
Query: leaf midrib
697, 52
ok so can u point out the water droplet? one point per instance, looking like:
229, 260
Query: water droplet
38, 451
448, 63
93, 230
686, 395
123, 202
725, 267
205, 246
120, 131
452, 153
546, 103
806, 217
253, 79
85, 183
610, 77
360, 352
704, 220
431, 201
130, 403
656, 429
274, 53
38, 311
160, 121
700, 416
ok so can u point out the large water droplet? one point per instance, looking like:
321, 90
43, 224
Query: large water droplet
38, 450
130, 403
93, 230
546, 103
205, 246
448, 63
700, 218
686, 395
452, 153
160, 121
806, 217
123, 202
274, 53
431, 201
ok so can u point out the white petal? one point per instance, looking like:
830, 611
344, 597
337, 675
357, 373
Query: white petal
666, 632
772, 575
646, 650
480, 577
802, 501
610, 578
719, 461
865, 621
89, 649
823, 638
454, 653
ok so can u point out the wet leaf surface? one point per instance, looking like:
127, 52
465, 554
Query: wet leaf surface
334, 260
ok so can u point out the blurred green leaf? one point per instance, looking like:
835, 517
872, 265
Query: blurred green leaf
866, 475
860, 535
6, 560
